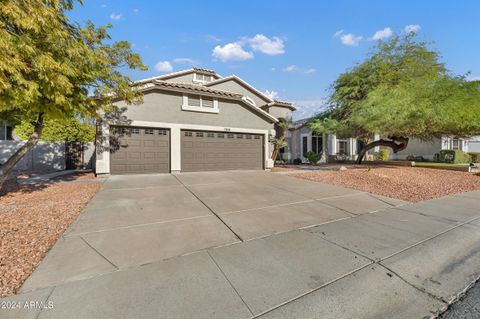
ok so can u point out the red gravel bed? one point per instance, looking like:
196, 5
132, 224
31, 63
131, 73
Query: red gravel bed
32, 218
412, 184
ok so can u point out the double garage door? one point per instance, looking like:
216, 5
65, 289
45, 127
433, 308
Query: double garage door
216, 151
147, 150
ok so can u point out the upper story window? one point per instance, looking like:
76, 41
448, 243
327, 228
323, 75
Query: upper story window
201, 78
199, 103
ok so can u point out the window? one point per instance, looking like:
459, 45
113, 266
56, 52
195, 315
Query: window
239, 135
221, 135
210, 135
304, 145
248, 137
317, 144
257, 137
135, 131
456, 144
199, 134
202, 78
149, 131
121, 130
188, 133
341, 146
162, 132
199, 103
229, 135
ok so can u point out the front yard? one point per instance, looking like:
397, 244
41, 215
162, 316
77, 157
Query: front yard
412, 184
33, 217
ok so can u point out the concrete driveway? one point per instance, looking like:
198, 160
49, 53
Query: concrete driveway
249, 244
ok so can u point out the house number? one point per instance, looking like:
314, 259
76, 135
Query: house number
226, 129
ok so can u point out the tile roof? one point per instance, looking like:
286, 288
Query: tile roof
198, 88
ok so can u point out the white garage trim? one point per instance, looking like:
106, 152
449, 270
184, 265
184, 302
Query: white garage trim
103, 161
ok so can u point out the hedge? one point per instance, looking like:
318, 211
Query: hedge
454, 157
475, 156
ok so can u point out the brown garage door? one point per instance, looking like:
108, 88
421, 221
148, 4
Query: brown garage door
139, 150
216, 151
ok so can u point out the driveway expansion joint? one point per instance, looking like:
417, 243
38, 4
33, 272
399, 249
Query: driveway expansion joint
213, 212
101, 255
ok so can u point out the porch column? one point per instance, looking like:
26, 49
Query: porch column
175, 149
332, 144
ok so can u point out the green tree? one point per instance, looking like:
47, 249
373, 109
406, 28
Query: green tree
280, 142
401, 91
53, 68
69, 130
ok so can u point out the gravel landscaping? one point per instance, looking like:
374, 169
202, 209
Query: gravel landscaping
412, 184
32, 218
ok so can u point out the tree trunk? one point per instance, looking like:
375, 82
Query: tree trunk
276, 149
396, 143
8, 166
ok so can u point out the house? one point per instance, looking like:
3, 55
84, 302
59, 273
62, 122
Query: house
191, 120
301, 140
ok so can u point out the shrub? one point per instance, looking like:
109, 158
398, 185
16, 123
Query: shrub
475, 156
382, 155
313, 157
341, 158
454, 157
297, 161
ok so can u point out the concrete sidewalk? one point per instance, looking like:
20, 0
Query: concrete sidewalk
364, 260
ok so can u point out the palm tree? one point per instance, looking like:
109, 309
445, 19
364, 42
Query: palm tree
280, 142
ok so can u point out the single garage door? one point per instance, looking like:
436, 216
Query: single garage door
216, 151
139, 150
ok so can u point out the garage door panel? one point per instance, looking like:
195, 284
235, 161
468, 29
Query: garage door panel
143, 150
207, 151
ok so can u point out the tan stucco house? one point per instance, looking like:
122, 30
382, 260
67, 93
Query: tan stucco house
301, 139
192, 120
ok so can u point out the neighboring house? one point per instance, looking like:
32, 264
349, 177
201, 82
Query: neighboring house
6, 131
301, 140
192, 120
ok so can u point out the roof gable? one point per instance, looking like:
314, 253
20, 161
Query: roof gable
243, 84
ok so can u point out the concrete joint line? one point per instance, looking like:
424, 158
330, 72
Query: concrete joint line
137, 225
46, 302
101, 255
379, 199
340, 196
270, 206
204, 204
429, 238
425, 215
311, 290
229, 282
412, 285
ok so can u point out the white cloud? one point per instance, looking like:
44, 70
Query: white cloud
185, 61
271, 94
260, 42
293, 68
382, 34
231, 51
473, 78
337, 34
136, 11
412, 28
309, 108
273, 69
351, 39
163, 66
115, 16
103, 6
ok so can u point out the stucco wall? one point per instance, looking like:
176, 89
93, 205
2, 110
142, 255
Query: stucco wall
167, 107
281, 112
186, 78
235, 87
419, 148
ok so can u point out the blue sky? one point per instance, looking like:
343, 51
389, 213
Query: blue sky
293, 49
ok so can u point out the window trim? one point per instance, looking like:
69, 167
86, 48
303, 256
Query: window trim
201, 108
196, 80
